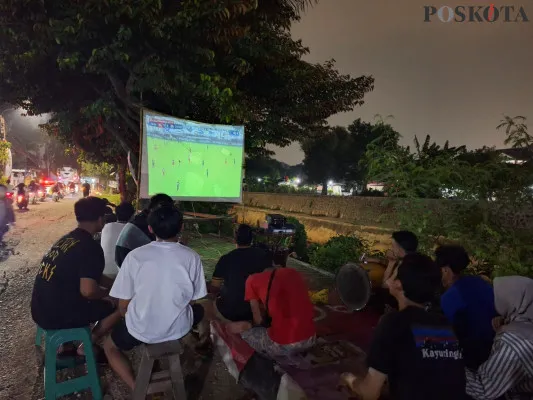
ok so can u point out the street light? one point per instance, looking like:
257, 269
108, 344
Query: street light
330, 183
259, 179
298, 181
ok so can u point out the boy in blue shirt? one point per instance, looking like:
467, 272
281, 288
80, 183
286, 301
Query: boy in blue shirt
468, 304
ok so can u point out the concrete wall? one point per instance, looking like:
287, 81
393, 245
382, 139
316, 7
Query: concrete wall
372, 218
324, 216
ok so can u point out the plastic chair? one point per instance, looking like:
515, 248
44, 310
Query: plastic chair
52, 340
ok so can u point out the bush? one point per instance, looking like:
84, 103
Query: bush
338, 251
300, 239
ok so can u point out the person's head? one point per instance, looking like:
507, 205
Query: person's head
159, 200
452, 260
165, 222
404, 242
418, 279
124, 211
90, 213
244, 236
3, 192
279, 259
513, 298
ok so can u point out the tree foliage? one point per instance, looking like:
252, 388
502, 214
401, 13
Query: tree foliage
94, 64
483, 186
339, 153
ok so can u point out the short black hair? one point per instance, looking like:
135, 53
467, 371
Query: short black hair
89, 209
124, 211
244, 235
108, 210
452, 256
166, 221
406, 240
159, 200
420, 278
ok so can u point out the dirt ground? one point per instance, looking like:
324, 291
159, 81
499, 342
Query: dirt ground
20, 373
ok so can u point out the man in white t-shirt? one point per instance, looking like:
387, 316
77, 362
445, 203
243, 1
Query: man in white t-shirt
110, 235
156, 287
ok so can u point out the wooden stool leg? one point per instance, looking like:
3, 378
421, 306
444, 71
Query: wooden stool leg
143, 377
176, 376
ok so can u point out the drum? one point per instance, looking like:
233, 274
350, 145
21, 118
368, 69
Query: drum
375, 273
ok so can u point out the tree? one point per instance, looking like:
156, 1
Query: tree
484, 188
94, 64
326, 156
516, 132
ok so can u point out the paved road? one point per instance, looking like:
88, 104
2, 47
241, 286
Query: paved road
20, 377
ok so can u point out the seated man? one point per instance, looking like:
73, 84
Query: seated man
156, 287
414, 349
67, 292
136, 233
110, 234
282, 312
403, 243
231, 272
468, 303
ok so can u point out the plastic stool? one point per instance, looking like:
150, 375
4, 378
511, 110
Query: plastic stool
168, 380
52, 340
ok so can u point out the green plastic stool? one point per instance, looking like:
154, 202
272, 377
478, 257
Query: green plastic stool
52, 340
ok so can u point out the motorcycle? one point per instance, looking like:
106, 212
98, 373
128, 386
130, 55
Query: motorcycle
55, 196
41, 195
22, 201
33, 198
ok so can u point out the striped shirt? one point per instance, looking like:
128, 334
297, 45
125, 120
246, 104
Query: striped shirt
508, 371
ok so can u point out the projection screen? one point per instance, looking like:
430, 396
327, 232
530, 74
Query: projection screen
190, 160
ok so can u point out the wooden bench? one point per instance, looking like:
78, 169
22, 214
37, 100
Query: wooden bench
169, 379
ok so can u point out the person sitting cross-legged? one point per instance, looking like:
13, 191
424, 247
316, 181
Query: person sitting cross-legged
282, 312
414, 349
231, 273
156, 287
69, 287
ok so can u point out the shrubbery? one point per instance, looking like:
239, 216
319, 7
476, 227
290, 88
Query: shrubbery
338, 251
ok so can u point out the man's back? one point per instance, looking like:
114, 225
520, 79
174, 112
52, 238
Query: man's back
234, 268
161, 279
420, 355
289, 306
469, 306
56, 292
108, 241
135, 234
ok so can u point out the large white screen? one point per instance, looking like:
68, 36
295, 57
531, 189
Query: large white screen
190, 160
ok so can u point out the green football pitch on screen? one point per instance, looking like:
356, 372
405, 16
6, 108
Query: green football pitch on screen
185, 169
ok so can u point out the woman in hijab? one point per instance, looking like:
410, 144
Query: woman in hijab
509, 369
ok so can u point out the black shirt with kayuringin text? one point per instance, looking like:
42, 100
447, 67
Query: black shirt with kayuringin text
56, 298
420, 355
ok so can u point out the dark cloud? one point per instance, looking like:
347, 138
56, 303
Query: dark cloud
453, 81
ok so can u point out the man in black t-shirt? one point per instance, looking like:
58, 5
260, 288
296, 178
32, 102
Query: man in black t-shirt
68, 291
414, 349
231, 273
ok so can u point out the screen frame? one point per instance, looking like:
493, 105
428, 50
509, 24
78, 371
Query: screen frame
143, 188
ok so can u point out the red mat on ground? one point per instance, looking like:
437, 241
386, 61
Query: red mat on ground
334, 323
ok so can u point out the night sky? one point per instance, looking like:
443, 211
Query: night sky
453, 81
